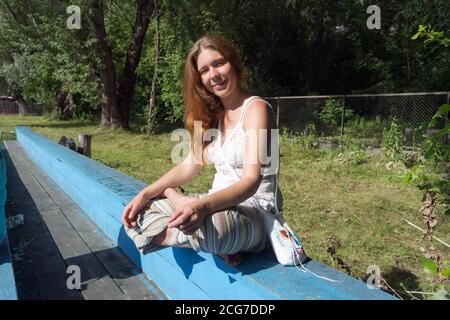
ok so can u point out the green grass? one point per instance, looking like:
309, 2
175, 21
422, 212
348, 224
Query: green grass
363, 206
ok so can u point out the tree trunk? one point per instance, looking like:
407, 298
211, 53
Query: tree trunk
109, 100
152, 105
128, 78
58, 104
21, 103
69, 107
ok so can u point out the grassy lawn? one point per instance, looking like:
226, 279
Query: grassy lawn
362, 206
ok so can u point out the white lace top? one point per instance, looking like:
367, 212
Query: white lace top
229, 172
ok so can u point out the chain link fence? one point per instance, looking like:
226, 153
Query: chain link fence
365, 117
335, 117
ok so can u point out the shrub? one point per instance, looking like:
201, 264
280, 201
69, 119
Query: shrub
331, 114
392, 142
362, 127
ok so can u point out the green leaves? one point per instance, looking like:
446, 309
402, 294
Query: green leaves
289, 47
422, 29
442, 111
430, 35
393, 142
331, 114
429, 266
39, 60
435, 148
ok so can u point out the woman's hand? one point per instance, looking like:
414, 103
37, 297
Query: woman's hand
188, 217
131, 211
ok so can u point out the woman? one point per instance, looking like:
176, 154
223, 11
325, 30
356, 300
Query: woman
225, 221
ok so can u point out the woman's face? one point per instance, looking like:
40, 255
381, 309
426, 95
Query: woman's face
217, 74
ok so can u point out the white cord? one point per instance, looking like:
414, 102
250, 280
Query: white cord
295, 256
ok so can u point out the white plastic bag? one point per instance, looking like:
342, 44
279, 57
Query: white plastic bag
287, 247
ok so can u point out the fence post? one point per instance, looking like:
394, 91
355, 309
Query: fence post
278, 112
446, 118
84, 144
342, 119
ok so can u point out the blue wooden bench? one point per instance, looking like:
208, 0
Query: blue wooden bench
7, 284
103, 192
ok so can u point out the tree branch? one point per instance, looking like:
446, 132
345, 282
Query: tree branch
127, 79
30, 15
11, 12
123, 13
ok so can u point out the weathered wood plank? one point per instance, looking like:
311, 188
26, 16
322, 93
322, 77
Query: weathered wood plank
30, 243
126, 274
52, 241
99, 284
106, 272
36, 255
59, 197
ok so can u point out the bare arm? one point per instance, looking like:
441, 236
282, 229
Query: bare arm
257, 117
177, 176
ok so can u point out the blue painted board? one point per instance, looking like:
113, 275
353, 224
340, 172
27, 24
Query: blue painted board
2, 196
7, 282
102, 193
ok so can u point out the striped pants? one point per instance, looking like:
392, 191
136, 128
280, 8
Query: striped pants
237, 229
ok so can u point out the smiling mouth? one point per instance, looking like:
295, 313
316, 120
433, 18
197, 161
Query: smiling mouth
221, 84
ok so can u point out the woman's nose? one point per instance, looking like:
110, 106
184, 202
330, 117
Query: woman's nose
214, 73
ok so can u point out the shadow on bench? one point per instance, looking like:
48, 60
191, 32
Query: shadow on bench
103, 192
7, 282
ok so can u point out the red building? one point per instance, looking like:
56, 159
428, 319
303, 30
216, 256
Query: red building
8, 105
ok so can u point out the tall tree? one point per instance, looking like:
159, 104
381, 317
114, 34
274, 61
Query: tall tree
152, 104
127, 79
40, 63
117, 92
109, 101
289, 48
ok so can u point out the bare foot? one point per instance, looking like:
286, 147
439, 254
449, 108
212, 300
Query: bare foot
233, 259
177, 199
167, 238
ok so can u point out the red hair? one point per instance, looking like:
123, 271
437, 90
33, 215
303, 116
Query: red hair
200, 104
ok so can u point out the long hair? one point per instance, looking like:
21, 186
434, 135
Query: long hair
200, 104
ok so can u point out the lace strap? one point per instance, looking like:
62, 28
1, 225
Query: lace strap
248, 102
